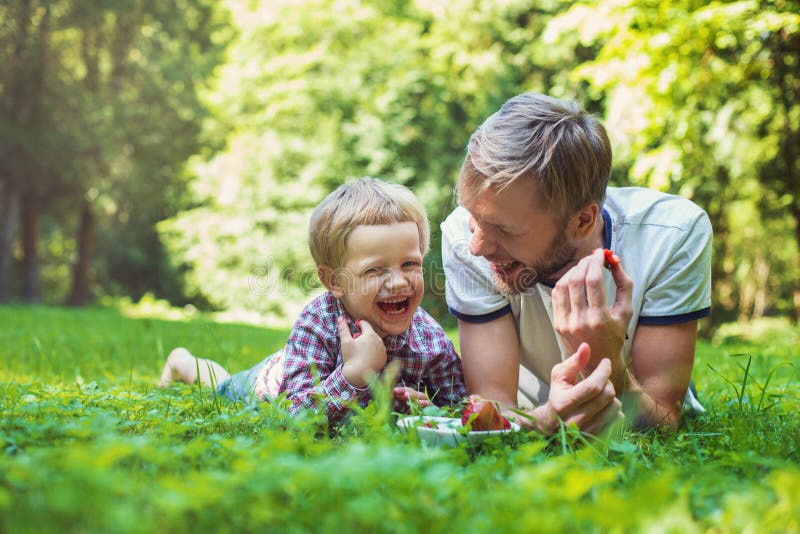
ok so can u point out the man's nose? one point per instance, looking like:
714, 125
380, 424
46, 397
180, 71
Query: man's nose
480, 244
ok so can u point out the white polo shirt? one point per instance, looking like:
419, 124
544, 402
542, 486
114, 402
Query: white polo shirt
665, 245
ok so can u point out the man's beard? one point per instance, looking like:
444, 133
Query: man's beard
560, 253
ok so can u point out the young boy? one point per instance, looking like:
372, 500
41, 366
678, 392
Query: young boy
368, 239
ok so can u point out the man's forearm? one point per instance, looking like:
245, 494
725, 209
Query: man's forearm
643, 409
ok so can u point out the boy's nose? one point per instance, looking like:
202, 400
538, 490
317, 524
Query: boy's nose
396, 279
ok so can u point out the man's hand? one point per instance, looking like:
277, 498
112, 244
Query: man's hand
364, 355
580, 313
590, 403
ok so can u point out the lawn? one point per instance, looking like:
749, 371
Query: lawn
89, 445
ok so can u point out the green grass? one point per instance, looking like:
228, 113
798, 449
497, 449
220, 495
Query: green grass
89, 445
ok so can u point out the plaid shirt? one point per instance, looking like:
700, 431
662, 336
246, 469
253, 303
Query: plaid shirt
312, 367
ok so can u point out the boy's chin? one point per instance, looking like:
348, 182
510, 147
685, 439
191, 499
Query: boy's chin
394, 329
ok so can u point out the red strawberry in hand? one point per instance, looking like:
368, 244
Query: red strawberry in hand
612, 260
483, 415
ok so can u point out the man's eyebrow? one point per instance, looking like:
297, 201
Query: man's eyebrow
501, 226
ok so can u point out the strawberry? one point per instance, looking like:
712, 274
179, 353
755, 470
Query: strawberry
483, 414
612, 260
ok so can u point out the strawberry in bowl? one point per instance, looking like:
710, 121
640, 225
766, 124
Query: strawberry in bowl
482, 415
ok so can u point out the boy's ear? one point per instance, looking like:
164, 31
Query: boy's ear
581, 224
327, 276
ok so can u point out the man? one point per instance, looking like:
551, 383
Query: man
540, 318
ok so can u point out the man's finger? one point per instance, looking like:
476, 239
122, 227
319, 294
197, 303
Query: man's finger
624, 289
592, 386
576, 283
595, 289
568, 370
605, 419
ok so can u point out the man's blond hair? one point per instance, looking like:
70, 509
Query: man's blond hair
366, 201
553, 142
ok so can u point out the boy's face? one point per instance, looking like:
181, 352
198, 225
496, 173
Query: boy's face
381, 280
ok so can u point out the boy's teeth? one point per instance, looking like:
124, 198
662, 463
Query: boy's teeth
395, 306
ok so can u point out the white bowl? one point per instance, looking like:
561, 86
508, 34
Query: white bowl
447, 431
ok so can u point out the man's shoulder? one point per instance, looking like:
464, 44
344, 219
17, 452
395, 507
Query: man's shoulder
643, 206
457, 223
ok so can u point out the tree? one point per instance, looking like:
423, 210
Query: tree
319, 92
101, 111
702, 99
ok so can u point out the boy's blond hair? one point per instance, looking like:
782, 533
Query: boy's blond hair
553, 142
366, 201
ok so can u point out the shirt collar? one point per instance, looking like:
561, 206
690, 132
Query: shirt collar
607, 229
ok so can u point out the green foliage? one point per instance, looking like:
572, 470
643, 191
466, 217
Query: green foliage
702, 100
90, 446
100, 107
230, 122
313, 98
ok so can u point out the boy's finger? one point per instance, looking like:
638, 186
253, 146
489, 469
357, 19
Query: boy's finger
344, 330
366, 328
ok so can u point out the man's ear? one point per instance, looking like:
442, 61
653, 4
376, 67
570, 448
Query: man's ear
327, 276
582, 223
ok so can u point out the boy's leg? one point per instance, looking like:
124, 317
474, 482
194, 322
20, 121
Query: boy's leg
182, 366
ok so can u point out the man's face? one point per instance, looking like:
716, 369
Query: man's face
523, 243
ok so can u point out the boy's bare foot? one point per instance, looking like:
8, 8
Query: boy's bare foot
183, 366
178, 361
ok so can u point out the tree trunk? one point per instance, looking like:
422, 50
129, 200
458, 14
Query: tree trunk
796, 295
8, 231
31, 275
82, 271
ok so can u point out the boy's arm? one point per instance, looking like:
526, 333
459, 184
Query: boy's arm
313, 377
444, 379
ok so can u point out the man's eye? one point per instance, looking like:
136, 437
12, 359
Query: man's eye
411, 264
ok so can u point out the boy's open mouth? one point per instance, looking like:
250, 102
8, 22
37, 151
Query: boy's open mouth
396, 306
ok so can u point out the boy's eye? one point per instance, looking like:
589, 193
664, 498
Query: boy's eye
372, 270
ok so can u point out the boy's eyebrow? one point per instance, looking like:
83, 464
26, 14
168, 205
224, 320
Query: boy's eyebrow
380, 262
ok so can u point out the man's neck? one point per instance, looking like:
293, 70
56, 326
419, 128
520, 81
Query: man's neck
585, 246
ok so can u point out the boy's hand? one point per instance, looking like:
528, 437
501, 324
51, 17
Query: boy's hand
364, 355
405, 395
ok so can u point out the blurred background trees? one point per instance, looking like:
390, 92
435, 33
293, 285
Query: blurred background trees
178, 147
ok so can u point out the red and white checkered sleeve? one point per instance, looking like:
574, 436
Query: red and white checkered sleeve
312, 375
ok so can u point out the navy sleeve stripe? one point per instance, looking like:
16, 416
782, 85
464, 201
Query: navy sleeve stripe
481, 318
675, 319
